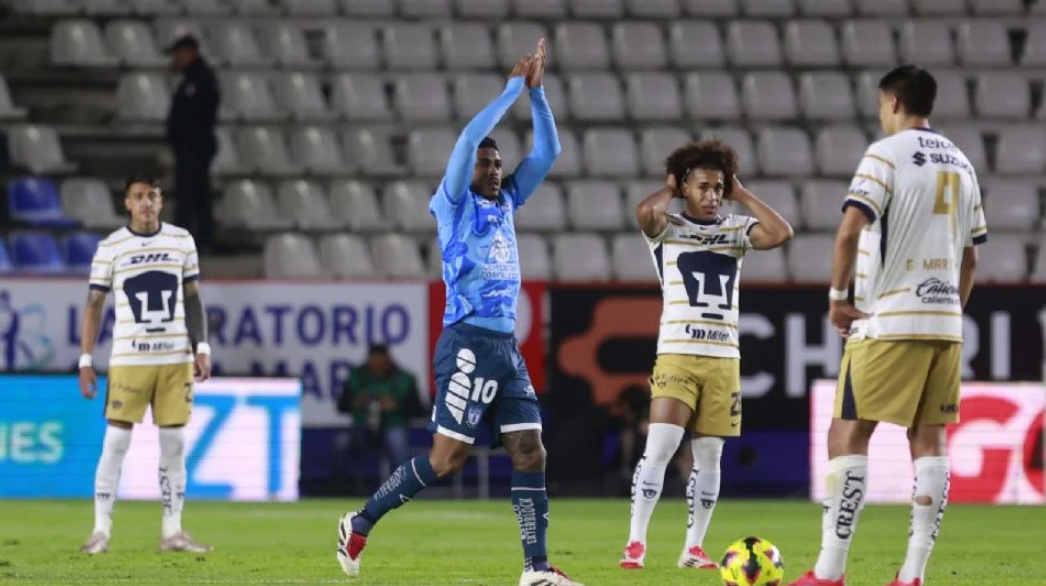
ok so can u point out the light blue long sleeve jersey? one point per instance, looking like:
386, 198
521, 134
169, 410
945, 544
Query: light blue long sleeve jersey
478, 236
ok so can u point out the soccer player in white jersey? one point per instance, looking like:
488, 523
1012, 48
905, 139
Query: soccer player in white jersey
696, 382
911, 223
159, 344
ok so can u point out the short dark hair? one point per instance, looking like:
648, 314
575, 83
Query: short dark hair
146, 178
378, 350
489, 143
914, 87
713, 154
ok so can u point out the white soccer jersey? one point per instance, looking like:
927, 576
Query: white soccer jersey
921, 194
146, 274
699, 265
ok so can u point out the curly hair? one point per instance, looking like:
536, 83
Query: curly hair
713, 154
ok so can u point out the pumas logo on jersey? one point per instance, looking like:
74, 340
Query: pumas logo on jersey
155, 257
919, 159
710, 240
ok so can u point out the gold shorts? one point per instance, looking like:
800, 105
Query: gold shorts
907, 382
167, 388
709, 385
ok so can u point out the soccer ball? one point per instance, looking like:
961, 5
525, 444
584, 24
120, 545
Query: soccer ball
752, 562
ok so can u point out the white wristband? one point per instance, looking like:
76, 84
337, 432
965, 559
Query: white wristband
838, 294
86, 361
203, 348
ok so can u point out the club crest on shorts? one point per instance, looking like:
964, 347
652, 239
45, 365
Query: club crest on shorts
473, 415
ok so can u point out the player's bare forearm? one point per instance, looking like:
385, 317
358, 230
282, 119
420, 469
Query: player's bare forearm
772, 230
847, 238
967, 271
652, 212
195, 314
92, 320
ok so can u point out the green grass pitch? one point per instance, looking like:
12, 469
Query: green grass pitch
472, 543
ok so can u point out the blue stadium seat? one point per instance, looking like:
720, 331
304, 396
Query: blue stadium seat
36, 252
5, 259
78, 249
37, 202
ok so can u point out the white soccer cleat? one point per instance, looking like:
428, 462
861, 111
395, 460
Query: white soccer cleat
350, 546
96, 544
182, 541
696, 558
632, 559
550, 577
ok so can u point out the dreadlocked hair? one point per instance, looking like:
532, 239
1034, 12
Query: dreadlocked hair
713, 154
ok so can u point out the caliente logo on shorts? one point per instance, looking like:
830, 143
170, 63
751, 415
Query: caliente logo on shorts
463, 389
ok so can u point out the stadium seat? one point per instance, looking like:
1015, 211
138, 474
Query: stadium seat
483, 9
882, 7
249, 97
868, 95
712, 8
1011, 204
422, 97
250, 204
540, 9
779, 195
696, 43
1038, 273
997, 7
36, 201
769, 96
8, 110
810, 43
406, 203
610, 152
317, 148
984, 43
155, 7
826, 95
474, 91
544, 211
78, 250
597, 8
939, 7
253, 7
741, 141
534, 259
1003, 258
868, 43
810, 258
36, 253
953, 97
516, 39
596, 97
595, 205
768, 8
235, 43
662, 9
636, 192
90, 202
371, 150
132, 43
581, 257
581, 46
971, 143
822, 202
1003, 96
360, 96
510, 147
753, 43
397, 256
142, 97
205, 7
300, 95
37, 148
291, 256
107, 7
351, 45
1035, 44
839, 150
764, 266
656, 143
265, 151
227, 161
826, 8
285, 44
785, 151
927, 42
46, 7
310, 7
632, 259
712, 95
355, 204
79, 43
568, 164
6, 265
638, 45
170, 30
555, 95
1021, 150
346, 256
653, 96
409, 46
467, 45
305, 204
428, 150
368, 7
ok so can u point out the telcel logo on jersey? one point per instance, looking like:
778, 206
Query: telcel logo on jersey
463, 389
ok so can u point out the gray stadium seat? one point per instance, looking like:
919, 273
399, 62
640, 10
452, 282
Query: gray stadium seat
983, 43
810, 258
265, 151
38, 149
368, 7
635, 193
867, 95
868, 43
486, 9
555, 95
595, 205
516, 39
971, 143
632, 259
79, 43
580, 257
1038, 273
154, 7
610, 152
310, 7
428, 149
839, 149
927, 42
639, 45
764, 266
581, 45
397, 256
248, 96
300, 95
509, 147
1021, 150
1003, 258
409, 46
46, 7
237, 45
318, 150
597, 8
406, 203
997, 7
568, 164
653, 8
826, 8
882, 7
351, 45
170, 30
360, 96
467, 45
596, 96
227, 161
425, 8
422, 97
712, 95
822, 201
653, 96
769, 96
291, 256
142, 97
544, 211
534, 259
768, 8
8, 110
285, 44
110, 7
474, 91
779, 195
540, 8
785, 151
371, 150
696, 43
253, 7
346, 256
810, 43
355, 204
953, 97
826, 96
1035, 44
250, 204
133, 44
753, 43
90, 201
655, 145
712, 8
1003, 95
939, 7
201, 7
741, 141
1011, 204
305, 203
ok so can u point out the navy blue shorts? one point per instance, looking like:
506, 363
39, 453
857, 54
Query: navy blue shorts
481, 380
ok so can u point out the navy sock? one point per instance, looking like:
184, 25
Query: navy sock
405, 482
530, 503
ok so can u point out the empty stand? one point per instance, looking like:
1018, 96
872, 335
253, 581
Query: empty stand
90, 202
595, 205
355, 204
398, 257
37, 148
291, 256
610, 152
535, 262
581, 257
544, 211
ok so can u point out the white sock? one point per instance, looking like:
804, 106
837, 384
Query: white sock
702, 491
107, 476
662, 441
172, 478
847, 485
931, 480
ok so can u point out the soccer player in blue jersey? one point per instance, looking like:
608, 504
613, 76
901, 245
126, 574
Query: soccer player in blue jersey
481, 379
